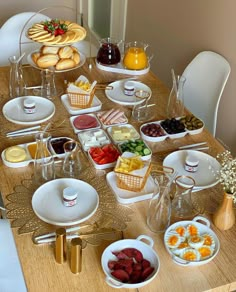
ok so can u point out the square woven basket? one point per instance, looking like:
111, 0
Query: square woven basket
132, 182
81, 100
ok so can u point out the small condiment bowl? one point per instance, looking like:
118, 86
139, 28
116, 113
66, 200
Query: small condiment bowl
146, 248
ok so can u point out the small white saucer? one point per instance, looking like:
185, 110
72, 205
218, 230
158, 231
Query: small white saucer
128, 197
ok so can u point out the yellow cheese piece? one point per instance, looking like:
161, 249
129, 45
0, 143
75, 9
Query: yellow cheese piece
129, 164
15, 154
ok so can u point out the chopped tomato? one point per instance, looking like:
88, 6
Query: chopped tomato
105, 154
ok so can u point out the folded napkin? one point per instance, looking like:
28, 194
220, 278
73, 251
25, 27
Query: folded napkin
73, 87
11, 276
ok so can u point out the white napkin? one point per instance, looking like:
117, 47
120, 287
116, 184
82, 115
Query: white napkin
11, 276
73, 88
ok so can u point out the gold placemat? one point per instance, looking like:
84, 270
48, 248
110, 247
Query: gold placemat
109, 215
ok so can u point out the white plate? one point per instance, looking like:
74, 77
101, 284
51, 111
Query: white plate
13, 110
96, 106
117, 93
48, 205
128, 197
81, 63
205, 176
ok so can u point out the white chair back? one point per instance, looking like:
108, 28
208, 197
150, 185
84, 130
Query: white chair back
206, 77
11, 39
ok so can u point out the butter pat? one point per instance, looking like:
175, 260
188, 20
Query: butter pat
15, 154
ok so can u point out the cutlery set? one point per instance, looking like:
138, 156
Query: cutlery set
196, 147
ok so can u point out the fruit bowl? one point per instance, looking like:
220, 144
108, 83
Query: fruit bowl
147, 251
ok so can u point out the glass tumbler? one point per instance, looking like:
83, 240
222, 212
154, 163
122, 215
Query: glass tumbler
140, 111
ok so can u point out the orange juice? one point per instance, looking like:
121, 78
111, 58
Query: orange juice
135, 59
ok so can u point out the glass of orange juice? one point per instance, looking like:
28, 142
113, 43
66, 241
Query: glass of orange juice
135, 57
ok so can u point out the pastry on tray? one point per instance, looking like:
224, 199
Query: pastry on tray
63, 58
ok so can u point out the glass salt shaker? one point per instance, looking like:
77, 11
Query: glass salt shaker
44, 162
159, 211
72, 164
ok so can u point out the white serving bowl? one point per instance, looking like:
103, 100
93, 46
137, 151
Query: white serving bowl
203, 229
145, 248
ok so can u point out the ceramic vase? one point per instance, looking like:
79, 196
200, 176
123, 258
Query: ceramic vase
224, 218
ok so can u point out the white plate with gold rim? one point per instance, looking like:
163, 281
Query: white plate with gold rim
50, 194
13, 110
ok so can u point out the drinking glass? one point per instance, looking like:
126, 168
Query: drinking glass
140, 111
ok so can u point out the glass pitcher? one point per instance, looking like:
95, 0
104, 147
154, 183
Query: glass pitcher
159, 211
182, 207
72, 164
175, 106
16, 83
44, 160
135, 56
109, 52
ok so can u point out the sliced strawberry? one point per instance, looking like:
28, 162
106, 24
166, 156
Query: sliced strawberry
137, 267
133, 253
121, 275
147, 272
119, 254
111, 264
135, 277
145, 264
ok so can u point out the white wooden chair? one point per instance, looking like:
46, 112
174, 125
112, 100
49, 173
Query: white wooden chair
206, 76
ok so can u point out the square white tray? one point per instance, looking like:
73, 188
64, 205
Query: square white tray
128, 197
77, 130
96, 106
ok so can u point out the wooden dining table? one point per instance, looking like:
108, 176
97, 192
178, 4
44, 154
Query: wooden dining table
41, 271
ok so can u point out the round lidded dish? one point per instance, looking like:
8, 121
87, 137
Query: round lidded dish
200, 229
148, 254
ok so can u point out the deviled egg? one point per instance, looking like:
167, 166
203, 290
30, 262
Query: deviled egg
195, 241
173, 239
191, 254
205, 252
